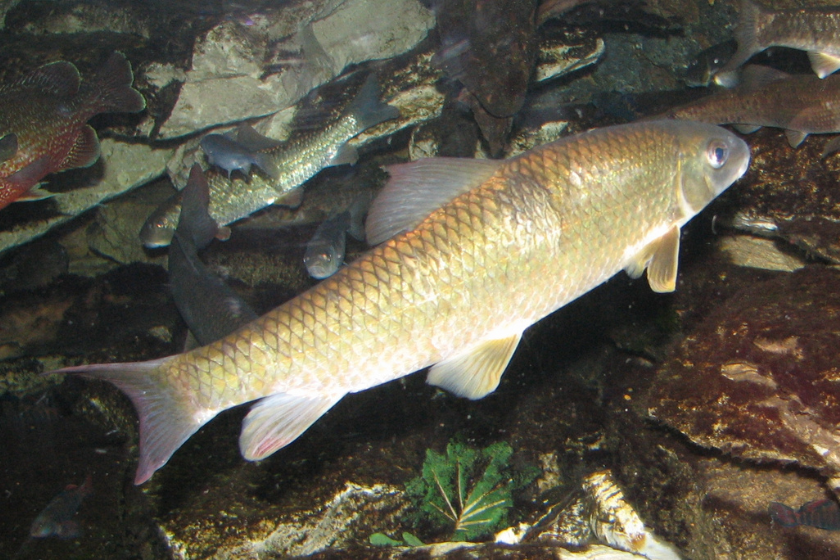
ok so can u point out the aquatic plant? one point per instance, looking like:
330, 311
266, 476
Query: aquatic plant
466, 488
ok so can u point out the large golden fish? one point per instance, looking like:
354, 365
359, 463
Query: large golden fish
472, 253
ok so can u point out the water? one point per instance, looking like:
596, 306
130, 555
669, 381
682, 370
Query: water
76, 286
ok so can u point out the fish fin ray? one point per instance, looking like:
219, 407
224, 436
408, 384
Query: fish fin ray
368, 109
252, 140
195, 220
477, 373
417, 189
824, 64
831, 147
662, 269
795, 137
85, 150
167, 417
111, 88
35, 194
278, 420
27, 177
59, 78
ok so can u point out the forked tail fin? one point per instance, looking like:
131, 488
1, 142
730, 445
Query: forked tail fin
168, 415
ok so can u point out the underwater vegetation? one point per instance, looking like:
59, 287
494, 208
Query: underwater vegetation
467, 490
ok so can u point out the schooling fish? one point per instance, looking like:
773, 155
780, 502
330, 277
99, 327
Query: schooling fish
210, 307
43, 120
702, 68
816, 30
471, 253
56, 520
800, 104
823, 514
296, 162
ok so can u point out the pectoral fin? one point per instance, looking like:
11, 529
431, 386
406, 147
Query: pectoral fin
661, 258
477, 373
824, 64
278, 420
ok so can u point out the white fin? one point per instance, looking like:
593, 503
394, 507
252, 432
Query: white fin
277, 421
746, 128
823, 63
417, 189
795, 137
477, 373
660, 257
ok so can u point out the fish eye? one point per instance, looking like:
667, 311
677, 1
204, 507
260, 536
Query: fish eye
718, 153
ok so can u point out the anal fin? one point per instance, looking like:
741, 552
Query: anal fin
278, 420
476, 373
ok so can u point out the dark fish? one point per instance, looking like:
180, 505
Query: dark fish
707, 63
326, 250
56, 520
210, 307
815, 30
800, 104
241, 153
822, 514
43, 120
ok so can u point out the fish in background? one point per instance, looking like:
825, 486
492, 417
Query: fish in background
296, 161
210, 307
800, 104
43, 121
469, 254
240, 152
815, 30
326, 250
701, 70
56, 520
822, 514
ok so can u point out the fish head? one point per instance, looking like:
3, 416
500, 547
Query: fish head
43, 527
711, 159
322, 262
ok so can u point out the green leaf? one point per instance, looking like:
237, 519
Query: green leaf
411, 540
381, 539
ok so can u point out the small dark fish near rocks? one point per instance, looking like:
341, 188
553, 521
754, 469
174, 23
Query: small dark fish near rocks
56, 520
822, 514
240, 153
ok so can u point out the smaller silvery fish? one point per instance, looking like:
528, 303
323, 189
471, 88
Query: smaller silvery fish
209, 307
56, 520
815, 30
43, 121
822, 514
297, 161
241, 153
800, 104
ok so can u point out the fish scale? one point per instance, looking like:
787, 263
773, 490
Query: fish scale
457, 289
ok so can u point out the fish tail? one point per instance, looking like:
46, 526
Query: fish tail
783, 515
167, 415
110, 90
746, 34
368, 109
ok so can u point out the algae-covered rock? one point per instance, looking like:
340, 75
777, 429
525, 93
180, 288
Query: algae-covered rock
758, 379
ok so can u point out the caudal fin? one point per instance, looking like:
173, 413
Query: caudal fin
110, 89
368, 109
746, 34
168, 417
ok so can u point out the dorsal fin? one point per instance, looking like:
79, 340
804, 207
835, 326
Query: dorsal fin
417, 189
60, 78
